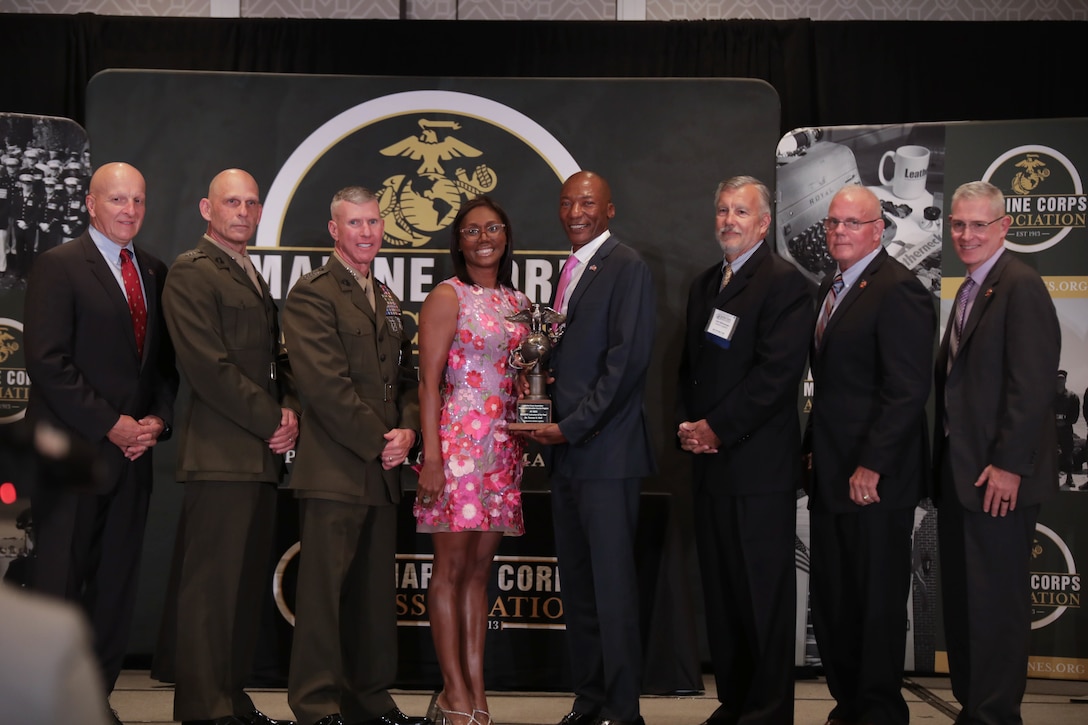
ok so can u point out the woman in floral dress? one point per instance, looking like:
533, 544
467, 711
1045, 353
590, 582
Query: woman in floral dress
469, 492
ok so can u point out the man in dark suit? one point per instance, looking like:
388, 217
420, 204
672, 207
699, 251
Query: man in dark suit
242, 417
599, 451
103, 369
996, 448
871, 358
748, 322
352, 360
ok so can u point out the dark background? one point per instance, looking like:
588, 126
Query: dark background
826, 73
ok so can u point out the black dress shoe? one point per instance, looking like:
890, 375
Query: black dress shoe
259, 718
228, 720
396, 717
580, 718
637, 721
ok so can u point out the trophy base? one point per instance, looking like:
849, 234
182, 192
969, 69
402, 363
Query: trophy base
532, 415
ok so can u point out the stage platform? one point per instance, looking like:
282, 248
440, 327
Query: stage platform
138, 699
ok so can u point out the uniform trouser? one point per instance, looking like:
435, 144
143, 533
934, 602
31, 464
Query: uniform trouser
226, 544
344, 651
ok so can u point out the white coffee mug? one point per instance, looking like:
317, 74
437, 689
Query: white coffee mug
911, 167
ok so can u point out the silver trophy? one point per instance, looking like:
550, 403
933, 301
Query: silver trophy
546, 326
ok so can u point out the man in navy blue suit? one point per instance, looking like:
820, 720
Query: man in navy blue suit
749, 316
599, 450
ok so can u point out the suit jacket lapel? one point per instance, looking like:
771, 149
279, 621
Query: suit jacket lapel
351, 287
981, 303
104, 275
855, 292
743, 277
593, 269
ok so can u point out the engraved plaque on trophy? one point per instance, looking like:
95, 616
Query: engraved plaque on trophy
534, 411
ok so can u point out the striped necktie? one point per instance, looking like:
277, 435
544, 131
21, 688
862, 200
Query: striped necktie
727, 274
828, 308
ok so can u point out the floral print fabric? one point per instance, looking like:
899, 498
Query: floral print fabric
481, 458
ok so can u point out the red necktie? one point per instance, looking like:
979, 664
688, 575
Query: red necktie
135, 294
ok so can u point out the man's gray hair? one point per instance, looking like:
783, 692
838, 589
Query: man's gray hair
736, 182
353, 194
980, 190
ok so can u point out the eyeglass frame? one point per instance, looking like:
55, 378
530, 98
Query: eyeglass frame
852, 225
474, 232
974, 226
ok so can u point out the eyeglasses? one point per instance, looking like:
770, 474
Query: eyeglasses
831, 223
492, 229
959, 226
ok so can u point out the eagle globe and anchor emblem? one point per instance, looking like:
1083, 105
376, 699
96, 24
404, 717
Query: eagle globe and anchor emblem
415, 206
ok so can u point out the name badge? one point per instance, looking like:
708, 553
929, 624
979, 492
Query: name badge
721, 327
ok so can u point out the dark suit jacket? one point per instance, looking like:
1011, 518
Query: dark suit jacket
999, 394
748, 392
871, 379
353, 369
81, 351
600, 369
228, 338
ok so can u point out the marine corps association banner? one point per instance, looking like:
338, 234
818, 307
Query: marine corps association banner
425, 145
914, 169
44, 165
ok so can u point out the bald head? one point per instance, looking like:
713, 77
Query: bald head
585, 208
116, 201
232, 208
857, 206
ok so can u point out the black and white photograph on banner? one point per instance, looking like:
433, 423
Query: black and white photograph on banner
902, 164
44, 168
1071, 402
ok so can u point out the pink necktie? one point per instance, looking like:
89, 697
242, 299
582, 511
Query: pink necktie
564, 280
136, 306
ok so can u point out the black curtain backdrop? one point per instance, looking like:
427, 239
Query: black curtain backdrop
826, 73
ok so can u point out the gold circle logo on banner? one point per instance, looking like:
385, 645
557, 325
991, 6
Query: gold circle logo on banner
1055, 583
1043, 195
14, 381
438, 160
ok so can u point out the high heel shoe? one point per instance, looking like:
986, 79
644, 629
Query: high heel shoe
441, 716
482, 717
